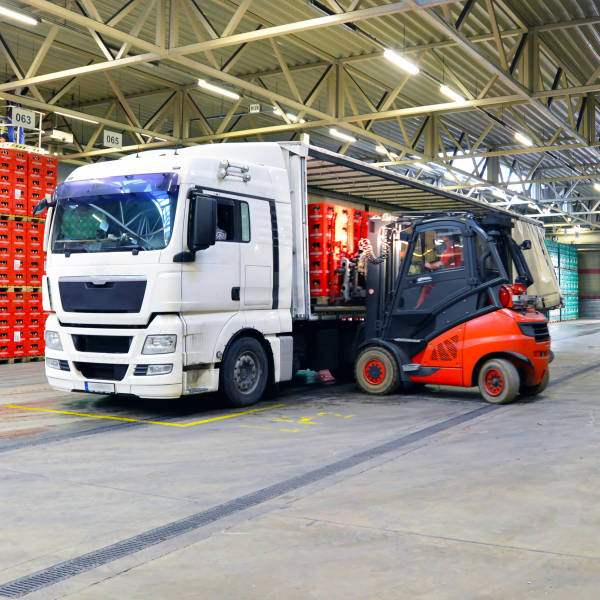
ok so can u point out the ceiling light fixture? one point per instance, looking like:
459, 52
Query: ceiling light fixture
341, 136
291, 116
218, 90
597, 187
450, 93
523, 139
11, 14
401, 62
62, 114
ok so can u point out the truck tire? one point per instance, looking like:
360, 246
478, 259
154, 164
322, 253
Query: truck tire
534, 390
498, 381
376, 370
244, 372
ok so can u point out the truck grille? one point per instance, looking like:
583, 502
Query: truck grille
110, 344
537, 330
89, 295
102, 371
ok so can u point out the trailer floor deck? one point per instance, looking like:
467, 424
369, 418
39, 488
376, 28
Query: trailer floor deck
318, 492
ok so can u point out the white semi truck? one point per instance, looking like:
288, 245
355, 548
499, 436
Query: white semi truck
176, 272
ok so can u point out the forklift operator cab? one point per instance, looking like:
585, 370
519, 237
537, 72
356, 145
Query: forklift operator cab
451, 317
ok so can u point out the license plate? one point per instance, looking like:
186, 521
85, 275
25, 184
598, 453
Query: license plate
99, 388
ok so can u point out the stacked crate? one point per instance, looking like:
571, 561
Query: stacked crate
25, 179
333, 234
564, 259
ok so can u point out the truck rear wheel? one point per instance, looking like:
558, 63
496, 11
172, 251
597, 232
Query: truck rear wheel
244, 372
376, 371
498, 381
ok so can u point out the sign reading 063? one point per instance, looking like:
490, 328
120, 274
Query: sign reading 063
112, 139
21, 117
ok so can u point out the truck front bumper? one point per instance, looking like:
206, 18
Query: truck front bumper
110, 371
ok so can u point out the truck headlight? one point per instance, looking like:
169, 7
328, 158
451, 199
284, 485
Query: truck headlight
159, 344
52, 340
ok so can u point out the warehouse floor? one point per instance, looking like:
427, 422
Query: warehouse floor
321, 492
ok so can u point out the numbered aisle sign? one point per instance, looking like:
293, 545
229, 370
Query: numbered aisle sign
21, 117
113, 139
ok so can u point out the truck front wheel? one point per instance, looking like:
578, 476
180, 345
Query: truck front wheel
376, 370
244, 372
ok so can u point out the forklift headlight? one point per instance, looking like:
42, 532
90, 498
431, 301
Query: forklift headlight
52, 340
159, 344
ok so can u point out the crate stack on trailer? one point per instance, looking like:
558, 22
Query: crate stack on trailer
564, 259
26, 178
334, 232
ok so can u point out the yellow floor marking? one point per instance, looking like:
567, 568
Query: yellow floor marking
78, 414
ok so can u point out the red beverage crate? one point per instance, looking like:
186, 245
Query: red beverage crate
6, 272
5, 322
35, 328
34, 271
35, 235
319, 285
33, 348
36, 164
33, 303
18, 235
7, 160
50, 187
36, 183
5, 303
6, 201
318, 267
19, 349
18, 303
5, 349
19, 181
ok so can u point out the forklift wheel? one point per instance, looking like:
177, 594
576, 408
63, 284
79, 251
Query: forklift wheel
534, 390
498, 381
377, 371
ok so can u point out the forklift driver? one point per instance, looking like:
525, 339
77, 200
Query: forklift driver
451, 257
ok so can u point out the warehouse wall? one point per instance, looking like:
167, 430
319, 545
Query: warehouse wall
565, 259
589, 284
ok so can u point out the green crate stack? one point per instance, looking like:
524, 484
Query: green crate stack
564, 259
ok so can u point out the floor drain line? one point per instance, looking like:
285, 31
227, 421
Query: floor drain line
92, 560
573, 374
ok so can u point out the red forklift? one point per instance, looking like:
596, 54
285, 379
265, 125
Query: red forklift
447, 304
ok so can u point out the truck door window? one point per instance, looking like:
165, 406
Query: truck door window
486, 265
233, 221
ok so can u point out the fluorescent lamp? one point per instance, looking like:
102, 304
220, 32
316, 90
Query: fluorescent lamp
217, 90
444, 89
17, 16
291, 116
523, 139
62, 114
597, 187
383, 150
342, 136
401, 62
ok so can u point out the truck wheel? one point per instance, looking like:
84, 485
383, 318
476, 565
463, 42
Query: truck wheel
534, 390
244, 372
498, 381
376, 371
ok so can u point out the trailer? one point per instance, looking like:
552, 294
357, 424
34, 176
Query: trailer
179, 272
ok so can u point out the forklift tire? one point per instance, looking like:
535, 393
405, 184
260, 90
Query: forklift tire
244, 372
534, 390
377, 371
498, 381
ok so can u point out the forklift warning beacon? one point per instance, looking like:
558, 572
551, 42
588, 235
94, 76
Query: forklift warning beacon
230, 267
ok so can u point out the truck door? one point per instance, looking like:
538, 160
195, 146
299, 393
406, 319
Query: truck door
434, 284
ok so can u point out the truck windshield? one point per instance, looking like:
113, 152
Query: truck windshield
114, 214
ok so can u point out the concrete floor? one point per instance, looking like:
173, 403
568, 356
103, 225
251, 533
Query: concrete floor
497, 503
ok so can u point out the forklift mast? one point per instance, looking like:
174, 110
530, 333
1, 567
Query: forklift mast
430, 273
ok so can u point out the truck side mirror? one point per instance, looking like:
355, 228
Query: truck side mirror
41, 206
525, 245
202, 226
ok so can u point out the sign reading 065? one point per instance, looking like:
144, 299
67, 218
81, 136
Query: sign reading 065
21, 117
112, 139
